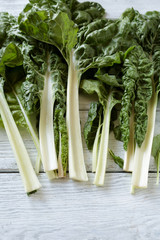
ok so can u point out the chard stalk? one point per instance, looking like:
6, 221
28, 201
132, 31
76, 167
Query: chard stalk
77, 170
46, 131
143, 154
32, 132
29, 178
129, 154
103, 147
95, 149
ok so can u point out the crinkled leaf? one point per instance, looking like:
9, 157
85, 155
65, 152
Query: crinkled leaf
94, 86
50, 25
110, 80
137, 84
119, 161
92, 123
11, 57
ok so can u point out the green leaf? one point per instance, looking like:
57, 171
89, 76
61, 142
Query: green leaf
94, 86
137, 70
119, 161
11, 57
110, 80
92, 123
86, 12
156, 146
50, 26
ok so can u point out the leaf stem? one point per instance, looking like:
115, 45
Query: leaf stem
103, 147
77, 170
26, 170
46, 131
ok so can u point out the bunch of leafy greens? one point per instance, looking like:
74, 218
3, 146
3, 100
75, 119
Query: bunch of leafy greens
11, 101
103, 46
45, 68
70, 44
51, 23
146, 31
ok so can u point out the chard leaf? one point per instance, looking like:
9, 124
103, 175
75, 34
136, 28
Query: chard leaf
92, 123
119, 161
146, 31
137, 84
110, 80
10, 72
103, 43
11, 57
53, 27
94, 86
156, 146
84, 13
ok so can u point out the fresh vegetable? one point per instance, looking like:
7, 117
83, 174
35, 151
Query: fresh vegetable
10, 64
145, 30
106, 62
107, 100
62, 45
51, 23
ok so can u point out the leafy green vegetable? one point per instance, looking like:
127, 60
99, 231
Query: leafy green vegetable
145, 30
92, 123
117, 159
45, 67
10, 62
104, 45
53, 25
137, 72
108, 100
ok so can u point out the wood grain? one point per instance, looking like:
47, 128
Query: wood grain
8, 162
71, 210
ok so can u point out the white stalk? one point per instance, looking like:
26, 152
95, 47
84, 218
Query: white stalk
129, 154
46, 131
95, 150
26, 170
77, 170
32, 132
103, 147
38, 164
143, 154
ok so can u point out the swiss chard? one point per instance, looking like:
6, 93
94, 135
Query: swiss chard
10, 72
146, 31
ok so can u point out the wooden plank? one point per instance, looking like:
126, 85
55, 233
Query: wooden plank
8, 163
71, 210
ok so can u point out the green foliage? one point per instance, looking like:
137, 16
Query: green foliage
92, 123
49, 22
137, 82
119, 161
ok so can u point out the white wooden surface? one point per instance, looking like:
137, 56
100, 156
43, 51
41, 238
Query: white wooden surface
64, 209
